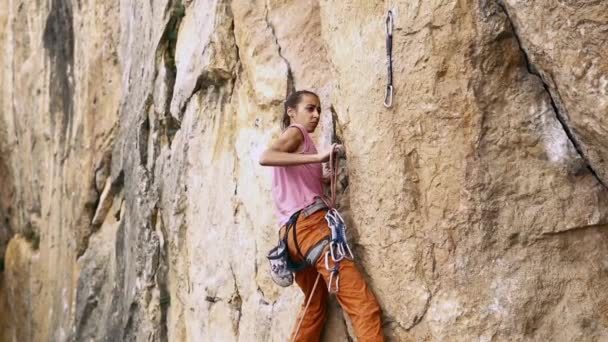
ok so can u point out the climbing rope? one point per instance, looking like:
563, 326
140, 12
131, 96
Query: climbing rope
306, 307
388, 97
334, 164
338, 233
338, 244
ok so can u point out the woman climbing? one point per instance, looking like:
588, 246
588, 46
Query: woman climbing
298, 191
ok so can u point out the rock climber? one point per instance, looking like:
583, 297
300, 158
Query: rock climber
297, 189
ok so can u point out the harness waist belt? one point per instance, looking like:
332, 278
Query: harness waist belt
317, 205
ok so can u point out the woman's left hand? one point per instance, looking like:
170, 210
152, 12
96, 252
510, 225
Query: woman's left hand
339, 150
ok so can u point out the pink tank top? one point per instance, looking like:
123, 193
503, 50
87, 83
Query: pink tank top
295, 187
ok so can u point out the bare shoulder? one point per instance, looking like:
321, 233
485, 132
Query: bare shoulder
289, 141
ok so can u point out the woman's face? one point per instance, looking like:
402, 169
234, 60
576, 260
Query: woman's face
306, 113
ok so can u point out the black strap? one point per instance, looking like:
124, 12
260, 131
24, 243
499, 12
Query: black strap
292, 224
293, 266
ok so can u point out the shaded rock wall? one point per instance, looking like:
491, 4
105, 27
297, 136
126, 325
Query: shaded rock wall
136, 210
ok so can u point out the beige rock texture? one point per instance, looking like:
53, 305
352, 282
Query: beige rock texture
133, 207
564, 44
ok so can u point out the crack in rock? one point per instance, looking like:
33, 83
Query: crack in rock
561, 117
236, 302
291, 86
575, 229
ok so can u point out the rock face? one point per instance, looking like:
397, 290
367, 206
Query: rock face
564, 42
133, 206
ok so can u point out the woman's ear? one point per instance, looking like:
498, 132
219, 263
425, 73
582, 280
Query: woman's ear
291, 112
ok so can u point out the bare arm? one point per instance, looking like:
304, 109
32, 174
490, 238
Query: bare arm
282, 152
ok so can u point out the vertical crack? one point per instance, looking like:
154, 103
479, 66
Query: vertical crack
165, 53
237, 52
418, 319
290, 80
561, 117
58, 39
161, 273
236, 302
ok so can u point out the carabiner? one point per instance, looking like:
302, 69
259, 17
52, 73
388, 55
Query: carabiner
388, 96
331, 223
340, 249
331, 278
337, 215
389, 23
332, 245
350, 252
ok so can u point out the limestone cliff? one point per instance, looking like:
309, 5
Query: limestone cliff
133, 207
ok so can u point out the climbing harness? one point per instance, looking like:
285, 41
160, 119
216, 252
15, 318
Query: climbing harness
388, 97
281, 265
338, 245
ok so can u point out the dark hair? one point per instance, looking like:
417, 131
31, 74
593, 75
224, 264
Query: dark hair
292, 101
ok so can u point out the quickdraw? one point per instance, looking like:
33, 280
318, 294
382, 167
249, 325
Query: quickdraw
339, 249
338, 246
388, 97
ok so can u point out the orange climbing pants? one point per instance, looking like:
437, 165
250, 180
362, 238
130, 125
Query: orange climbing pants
355, 297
